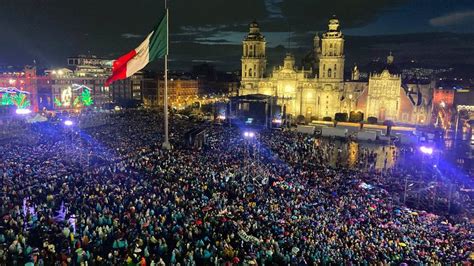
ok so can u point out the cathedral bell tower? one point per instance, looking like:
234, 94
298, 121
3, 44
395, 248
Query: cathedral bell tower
331, 59
254, 60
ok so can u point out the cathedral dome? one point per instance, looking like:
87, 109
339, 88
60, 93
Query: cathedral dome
254, 32
379, 66
254, 27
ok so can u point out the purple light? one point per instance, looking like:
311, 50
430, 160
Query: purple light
68, 123
23, 111
426, 150
249, 134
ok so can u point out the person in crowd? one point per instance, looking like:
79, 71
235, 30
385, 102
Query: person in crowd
109, 195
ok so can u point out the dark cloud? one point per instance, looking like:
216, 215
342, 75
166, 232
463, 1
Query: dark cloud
454, 18
273, 8
131, 36
311, 15
212, 41
50, 30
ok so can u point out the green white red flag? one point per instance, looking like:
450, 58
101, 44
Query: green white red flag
154, 46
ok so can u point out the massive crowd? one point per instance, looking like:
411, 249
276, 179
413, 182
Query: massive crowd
109, 195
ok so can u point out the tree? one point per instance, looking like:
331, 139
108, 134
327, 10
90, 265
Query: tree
300, 119
207, 108
86, 98
7, 99
341, 117
187, 111
356, 117
372, 120
76, 101
57, 102
20, 101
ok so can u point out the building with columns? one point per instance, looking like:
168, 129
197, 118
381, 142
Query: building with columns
383, 95
321, 91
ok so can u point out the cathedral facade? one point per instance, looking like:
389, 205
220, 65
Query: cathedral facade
321, 91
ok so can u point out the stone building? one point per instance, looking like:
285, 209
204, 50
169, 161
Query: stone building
321, 91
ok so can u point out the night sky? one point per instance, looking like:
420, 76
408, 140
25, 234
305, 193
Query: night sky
211, 30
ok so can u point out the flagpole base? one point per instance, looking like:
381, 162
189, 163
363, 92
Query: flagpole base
166, 145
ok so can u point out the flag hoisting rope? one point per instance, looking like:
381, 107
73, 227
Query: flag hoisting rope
153, 47
166, 143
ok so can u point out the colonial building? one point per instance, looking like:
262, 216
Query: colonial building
34, 87
181, 92
383, 95
321, 91
90, 73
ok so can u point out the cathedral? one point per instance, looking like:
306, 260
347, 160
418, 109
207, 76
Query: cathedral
320, 92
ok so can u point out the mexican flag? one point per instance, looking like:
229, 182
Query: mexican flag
154, 46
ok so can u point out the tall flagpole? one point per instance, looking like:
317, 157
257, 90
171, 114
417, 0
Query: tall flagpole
166, 144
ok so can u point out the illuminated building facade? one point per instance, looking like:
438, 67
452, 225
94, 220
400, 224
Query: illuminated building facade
181, 92
90, 73
298, 91
29, 82
464, 109
321, 91
383, 96
67, 86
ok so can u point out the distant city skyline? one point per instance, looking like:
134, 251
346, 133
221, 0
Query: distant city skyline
211, 30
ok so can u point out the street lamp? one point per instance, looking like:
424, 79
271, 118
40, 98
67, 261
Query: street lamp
250, 137
426, 150
249, 134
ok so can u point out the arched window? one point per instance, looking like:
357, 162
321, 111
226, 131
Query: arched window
329, 73
250, 72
